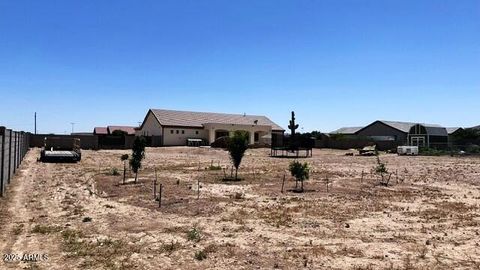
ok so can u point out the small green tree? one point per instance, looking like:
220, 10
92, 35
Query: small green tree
138, 154
300, 171
381, 169
236, 146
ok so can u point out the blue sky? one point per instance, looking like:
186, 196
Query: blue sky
335, 62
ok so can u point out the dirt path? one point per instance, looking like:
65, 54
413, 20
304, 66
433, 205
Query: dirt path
24, 210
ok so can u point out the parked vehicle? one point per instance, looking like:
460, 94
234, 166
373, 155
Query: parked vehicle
59, 149
407, 150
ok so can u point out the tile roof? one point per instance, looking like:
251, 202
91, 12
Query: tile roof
100, 130
198, 119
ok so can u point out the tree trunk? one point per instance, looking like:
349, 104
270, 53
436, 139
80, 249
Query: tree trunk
236, 173
302, 185
136, 174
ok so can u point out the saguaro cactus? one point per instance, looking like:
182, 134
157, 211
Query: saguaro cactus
292, 128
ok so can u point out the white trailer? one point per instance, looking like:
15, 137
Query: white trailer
407, 150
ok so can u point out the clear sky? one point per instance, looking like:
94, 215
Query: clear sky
335, 62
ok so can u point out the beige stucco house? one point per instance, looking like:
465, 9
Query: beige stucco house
180, 127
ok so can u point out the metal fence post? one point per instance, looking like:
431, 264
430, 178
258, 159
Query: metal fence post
16, 151
2, 160
9, 155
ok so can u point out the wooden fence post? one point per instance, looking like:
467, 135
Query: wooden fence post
283, 182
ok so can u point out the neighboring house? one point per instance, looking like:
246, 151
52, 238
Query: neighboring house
409, 133
476, 127
178, 127
110, 129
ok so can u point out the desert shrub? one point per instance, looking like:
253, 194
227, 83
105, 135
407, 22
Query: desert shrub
114, 171
425, 151
194, 235
87, 219
124, 157
200, 255
45, 229
473, 149
171, 247
214, 167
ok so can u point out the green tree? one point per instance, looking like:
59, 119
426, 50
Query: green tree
236, 146
138, 154
300, 171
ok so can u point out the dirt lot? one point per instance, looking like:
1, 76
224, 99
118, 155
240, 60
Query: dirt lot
82, 217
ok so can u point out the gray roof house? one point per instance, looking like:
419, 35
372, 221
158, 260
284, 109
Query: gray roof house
402, 132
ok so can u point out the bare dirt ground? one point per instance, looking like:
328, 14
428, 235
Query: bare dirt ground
82, 217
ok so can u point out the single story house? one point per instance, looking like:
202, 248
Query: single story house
403, 133
179, 127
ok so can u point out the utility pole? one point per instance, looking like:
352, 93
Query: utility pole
73, 125
35, 129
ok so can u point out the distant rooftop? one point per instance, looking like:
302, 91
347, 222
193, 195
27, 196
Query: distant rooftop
452, 130
110, 129
100, 130
128, 129
346, 130
198, 119
402, 126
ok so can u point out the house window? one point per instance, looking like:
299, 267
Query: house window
178, 131
183, 131
171, 131
196, 132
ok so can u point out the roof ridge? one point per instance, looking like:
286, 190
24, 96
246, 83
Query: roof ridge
236, 114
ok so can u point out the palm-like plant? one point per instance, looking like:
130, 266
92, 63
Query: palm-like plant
236, 146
